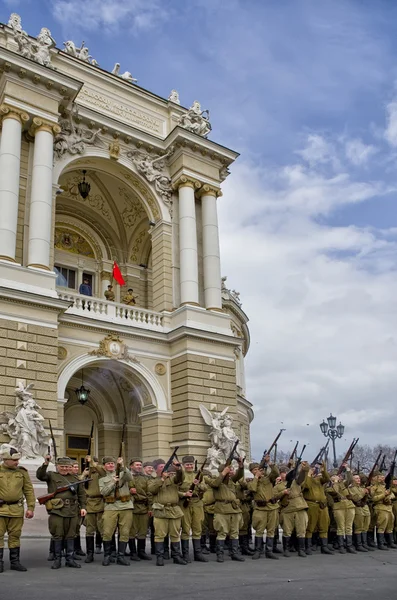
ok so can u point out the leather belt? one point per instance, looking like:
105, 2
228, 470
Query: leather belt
100, 496
69, 502
4, 503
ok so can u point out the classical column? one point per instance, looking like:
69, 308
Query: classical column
106, 279
188, 264
211, 254
10, 159
40, 221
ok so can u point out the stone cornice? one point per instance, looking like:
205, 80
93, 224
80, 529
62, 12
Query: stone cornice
29, 299
184, 181
209, 190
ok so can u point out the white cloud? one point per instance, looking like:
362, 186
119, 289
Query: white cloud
391, 127
359, 153
318, 151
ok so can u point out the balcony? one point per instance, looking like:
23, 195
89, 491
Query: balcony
90, 307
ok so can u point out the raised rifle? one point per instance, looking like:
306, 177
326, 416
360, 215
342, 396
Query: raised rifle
193, 485
372, 471
170, 460
390, 476
319, 458
54, 446
267, 452
43, 499
383, 464
230, 458
293, 453
121, 455
294, 472
89, 450
347, 455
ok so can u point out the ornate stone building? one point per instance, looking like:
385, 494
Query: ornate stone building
95, 170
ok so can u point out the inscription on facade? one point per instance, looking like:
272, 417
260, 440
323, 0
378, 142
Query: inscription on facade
128, 114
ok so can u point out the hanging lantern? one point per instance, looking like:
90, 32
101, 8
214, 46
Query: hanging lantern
84, 187
82, 393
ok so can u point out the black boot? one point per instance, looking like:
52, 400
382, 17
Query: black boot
98, 543
159, 549
245, 549
212, 544
275, 544
15, 565
269, 549
69, 561
203, 542
121, 558
359, 543
220, 549
258, 548
198, 554
308, 546
1, 560
185, 551
89, 543
77, 547
51, 553
133, 553
364, 539
381, 541
349, 545
58, 554
113, 550
301, 547
167, 548
235, 553
324, 546
371, 539
286, 541
176, 553
389, 541
341, 544
152, 544
107, 549
142, 550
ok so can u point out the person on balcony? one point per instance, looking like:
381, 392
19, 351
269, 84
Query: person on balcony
109, 294
85, 288
130, 298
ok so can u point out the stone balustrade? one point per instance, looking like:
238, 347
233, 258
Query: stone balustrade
113, 312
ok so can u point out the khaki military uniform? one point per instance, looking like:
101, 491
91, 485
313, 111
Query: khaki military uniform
394, 506
293, 509
342, 507
193, 513
266, 507
362, 515
118, 505
64, 508
167, 514
15, 484
227, 510
245, 498
95, 504
140, 516
209, 509
383, 509
110, 295
317, 512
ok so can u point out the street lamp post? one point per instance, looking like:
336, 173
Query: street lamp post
333, 432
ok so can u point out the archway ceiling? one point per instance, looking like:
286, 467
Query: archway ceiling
112, 205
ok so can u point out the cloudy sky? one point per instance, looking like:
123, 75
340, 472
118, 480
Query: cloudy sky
306, 91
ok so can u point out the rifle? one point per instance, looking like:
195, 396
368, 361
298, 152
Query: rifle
347, 455
170, 460
383, 464
372, 471
390, 476
319, 457
121, 455
193, 485
266, 452
43, 499
358, 468
230, 458
293, 473
293, 453
54, 446
87, 464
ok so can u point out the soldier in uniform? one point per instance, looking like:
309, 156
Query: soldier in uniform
95, 504
208, 523
109, 294
382, 499
362, 517
65, 509
115, 490
15, 484
78, 551
394, 505
166, 511
148, 469
343, 509
227, 511
193, 513
245, 498
293, 506
140, 513
318, 516
265, 516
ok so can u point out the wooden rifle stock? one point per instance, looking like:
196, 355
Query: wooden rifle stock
193, 485
43, 499
170, 460
372, 471
347, 455
267, 452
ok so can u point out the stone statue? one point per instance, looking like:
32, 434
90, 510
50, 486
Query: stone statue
229, 294
152, 168
174, 97
196, 120
126, 75
222, 436
25, 426
81, 53
73, 138
38, 50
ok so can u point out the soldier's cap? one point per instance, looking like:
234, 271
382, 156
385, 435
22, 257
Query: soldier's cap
157, 462
377, 473
187, 459
10, 453
363, 478
334, 472
64, 461
171, 469
253, 465
148, 463
135, 459
283, 468
108, 459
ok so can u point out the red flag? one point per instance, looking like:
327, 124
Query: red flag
117, 274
